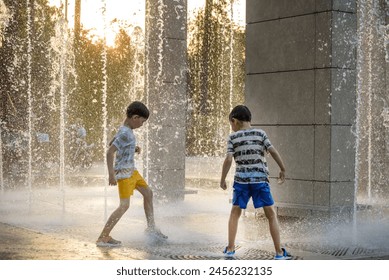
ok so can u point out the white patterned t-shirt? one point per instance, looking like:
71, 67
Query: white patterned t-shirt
125, 143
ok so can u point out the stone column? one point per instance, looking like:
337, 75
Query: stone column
165, 91
301, 87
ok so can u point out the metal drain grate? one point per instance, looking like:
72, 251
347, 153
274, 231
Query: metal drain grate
251, 254
201, 253
192, 257
190, 252
339, 252
362, 251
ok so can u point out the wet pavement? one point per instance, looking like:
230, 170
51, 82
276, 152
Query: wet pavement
197, 230
50, 223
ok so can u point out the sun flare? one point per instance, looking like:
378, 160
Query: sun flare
104, 19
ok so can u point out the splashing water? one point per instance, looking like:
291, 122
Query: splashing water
104, 103
1, 160
29, 100
91, 202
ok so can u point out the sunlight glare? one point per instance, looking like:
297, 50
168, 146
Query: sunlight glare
119, 14
125, 14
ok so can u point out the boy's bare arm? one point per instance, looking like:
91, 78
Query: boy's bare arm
110, 158
226, 167
276, 156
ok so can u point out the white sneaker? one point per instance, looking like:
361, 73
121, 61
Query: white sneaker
155, 233
108, 242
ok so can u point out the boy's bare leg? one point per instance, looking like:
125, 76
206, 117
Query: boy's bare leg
271, 215
233, 226
148, 205
149, 212
114, 218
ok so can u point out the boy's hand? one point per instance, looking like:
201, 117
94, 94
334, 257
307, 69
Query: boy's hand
112, 180
137, 149
223, 185
281, 178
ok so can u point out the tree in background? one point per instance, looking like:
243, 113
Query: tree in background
26, 67
40, 56
216, 83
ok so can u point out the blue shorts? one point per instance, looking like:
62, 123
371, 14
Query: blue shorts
260, 192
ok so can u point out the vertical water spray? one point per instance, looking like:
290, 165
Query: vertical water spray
357, 122
4, 18
137, 85
136, 76
29, 100
104, 102
385, 116
161, 28
160, 24
62, 109
386, 31
132, 91
231, 55
146, 94
158, 78
218, 108
369, 104
1, 161
364, 102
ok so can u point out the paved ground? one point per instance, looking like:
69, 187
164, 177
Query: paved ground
53, 223
50, 224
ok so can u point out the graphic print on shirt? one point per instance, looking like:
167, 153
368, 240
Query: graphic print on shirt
248, 148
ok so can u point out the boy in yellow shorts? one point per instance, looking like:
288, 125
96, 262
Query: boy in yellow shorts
125, 175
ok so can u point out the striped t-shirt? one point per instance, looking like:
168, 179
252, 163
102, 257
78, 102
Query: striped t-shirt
248, 148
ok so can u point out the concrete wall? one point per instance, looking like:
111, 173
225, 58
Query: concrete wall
165, 88
300, 86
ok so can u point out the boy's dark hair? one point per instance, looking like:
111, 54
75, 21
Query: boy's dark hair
241, 113
138, 108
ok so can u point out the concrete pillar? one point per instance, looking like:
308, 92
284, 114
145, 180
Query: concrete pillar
301, 87
165, 91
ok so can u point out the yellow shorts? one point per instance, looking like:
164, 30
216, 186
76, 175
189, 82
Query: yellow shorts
127, 186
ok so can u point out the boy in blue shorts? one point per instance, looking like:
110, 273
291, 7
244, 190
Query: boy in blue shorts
248, 146
125, 175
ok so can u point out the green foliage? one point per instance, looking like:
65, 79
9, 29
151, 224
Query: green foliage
26, 70
39, 52
103, 75
216, 79
79, 76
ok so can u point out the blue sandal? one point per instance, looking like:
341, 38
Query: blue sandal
284, 256
228, 253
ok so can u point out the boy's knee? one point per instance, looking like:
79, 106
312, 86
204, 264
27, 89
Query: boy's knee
236, 211
124, 205
270, 213
147, 193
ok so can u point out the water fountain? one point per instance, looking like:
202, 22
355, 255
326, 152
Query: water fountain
4, 17
104, 101
70, 206
61, 83
1, 164
371, 181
